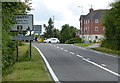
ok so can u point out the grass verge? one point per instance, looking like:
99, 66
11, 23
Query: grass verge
109, 51
30, 70
83, 44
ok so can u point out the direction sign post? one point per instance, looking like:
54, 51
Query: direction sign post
23, 23
30, 45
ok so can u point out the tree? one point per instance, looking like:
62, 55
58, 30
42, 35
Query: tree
112, 27
49, 29
56, 33
8, 46
67, 32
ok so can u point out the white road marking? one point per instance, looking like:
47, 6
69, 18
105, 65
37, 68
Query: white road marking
98, 52
106, 69
80, 56
48, 66
66, 50
72, 53
61, 48
103, 64
57, 47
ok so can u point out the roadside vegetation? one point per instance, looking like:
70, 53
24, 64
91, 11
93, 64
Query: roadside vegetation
112, 27
109, 51
27, 69
67, 32
83, 44
10, 9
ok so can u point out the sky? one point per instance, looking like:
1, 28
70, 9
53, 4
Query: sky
64, 11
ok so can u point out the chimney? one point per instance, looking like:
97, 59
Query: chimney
91, 10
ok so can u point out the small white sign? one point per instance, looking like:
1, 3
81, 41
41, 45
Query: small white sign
24, 23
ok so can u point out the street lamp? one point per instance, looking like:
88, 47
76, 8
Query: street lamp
82, 8
53, 26
82, 24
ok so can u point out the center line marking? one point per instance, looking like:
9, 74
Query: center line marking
72, 53
61, 48
65, 50
57, 47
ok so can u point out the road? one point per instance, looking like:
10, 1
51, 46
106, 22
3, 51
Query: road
73, 63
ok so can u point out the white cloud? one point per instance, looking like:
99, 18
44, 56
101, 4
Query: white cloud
64, 11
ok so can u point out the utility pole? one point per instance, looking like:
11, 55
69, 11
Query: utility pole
53, 26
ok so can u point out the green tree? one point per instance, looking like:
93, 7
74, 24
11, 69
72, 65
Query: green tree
49, 29
56, 33
9, 9
67, 32
112, 27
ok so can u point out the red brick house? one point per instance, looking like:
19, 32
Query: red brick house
91, 28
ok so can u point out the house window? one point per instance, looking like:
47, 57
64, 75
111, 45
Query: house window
96, 28
88, 21
96, 21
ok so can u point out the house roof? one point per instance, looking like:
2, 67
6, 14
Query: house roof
97, 14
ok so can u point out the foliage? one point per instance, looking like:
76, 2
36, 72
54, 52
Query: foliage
56, 33
49, 29
74, 40
9, 9
67, 33
32, 70
112, 27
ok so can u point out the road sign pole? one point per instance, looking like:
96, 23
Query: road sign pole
30, 46
17, 50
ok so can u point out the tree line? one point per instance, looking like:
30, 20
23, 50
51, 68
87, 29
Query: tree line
112, 27
67, 32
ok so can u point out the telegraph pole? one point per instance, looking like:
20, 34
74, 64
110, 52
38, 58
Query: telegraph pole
53, 26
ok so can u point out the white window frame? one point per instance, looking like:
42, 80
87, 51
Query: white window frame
96, 20
96, 28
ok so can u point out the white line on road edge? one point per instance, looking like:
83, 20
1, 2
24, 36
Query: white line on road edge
95, 51
49, 67
106, 69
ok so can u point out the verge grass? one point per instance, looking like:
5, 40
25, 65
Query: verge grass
83, 44
109, 51
30, 70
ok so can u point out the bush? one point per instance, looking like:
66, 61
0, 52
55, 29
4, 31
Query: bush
74, 40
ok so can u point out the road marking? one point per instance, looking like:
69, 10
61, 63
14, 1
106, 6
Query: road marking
48, 66
80, 56
66, 50
72, 53
106, 69
103, 64
97, 52
61, 48
57, 47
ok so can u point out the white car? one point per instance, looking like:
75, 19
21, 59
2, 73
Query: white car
51, 40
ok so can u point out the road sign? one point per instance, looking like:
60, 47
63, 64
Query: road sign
22, 38
24, 23
37, 29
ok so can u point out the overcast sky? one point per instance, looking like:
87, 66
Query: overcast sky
64, 11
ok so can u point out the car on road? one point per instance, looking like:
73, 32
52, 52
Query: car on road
51, 40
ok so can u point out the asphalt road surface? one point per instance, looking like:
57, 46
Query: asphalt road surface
73, 63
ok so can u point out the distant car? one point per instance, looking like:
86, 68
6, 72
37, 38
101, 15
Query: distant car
51, 40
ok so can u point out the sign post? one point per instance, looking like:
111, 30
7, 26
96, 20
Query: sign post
23, 23
30, 45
